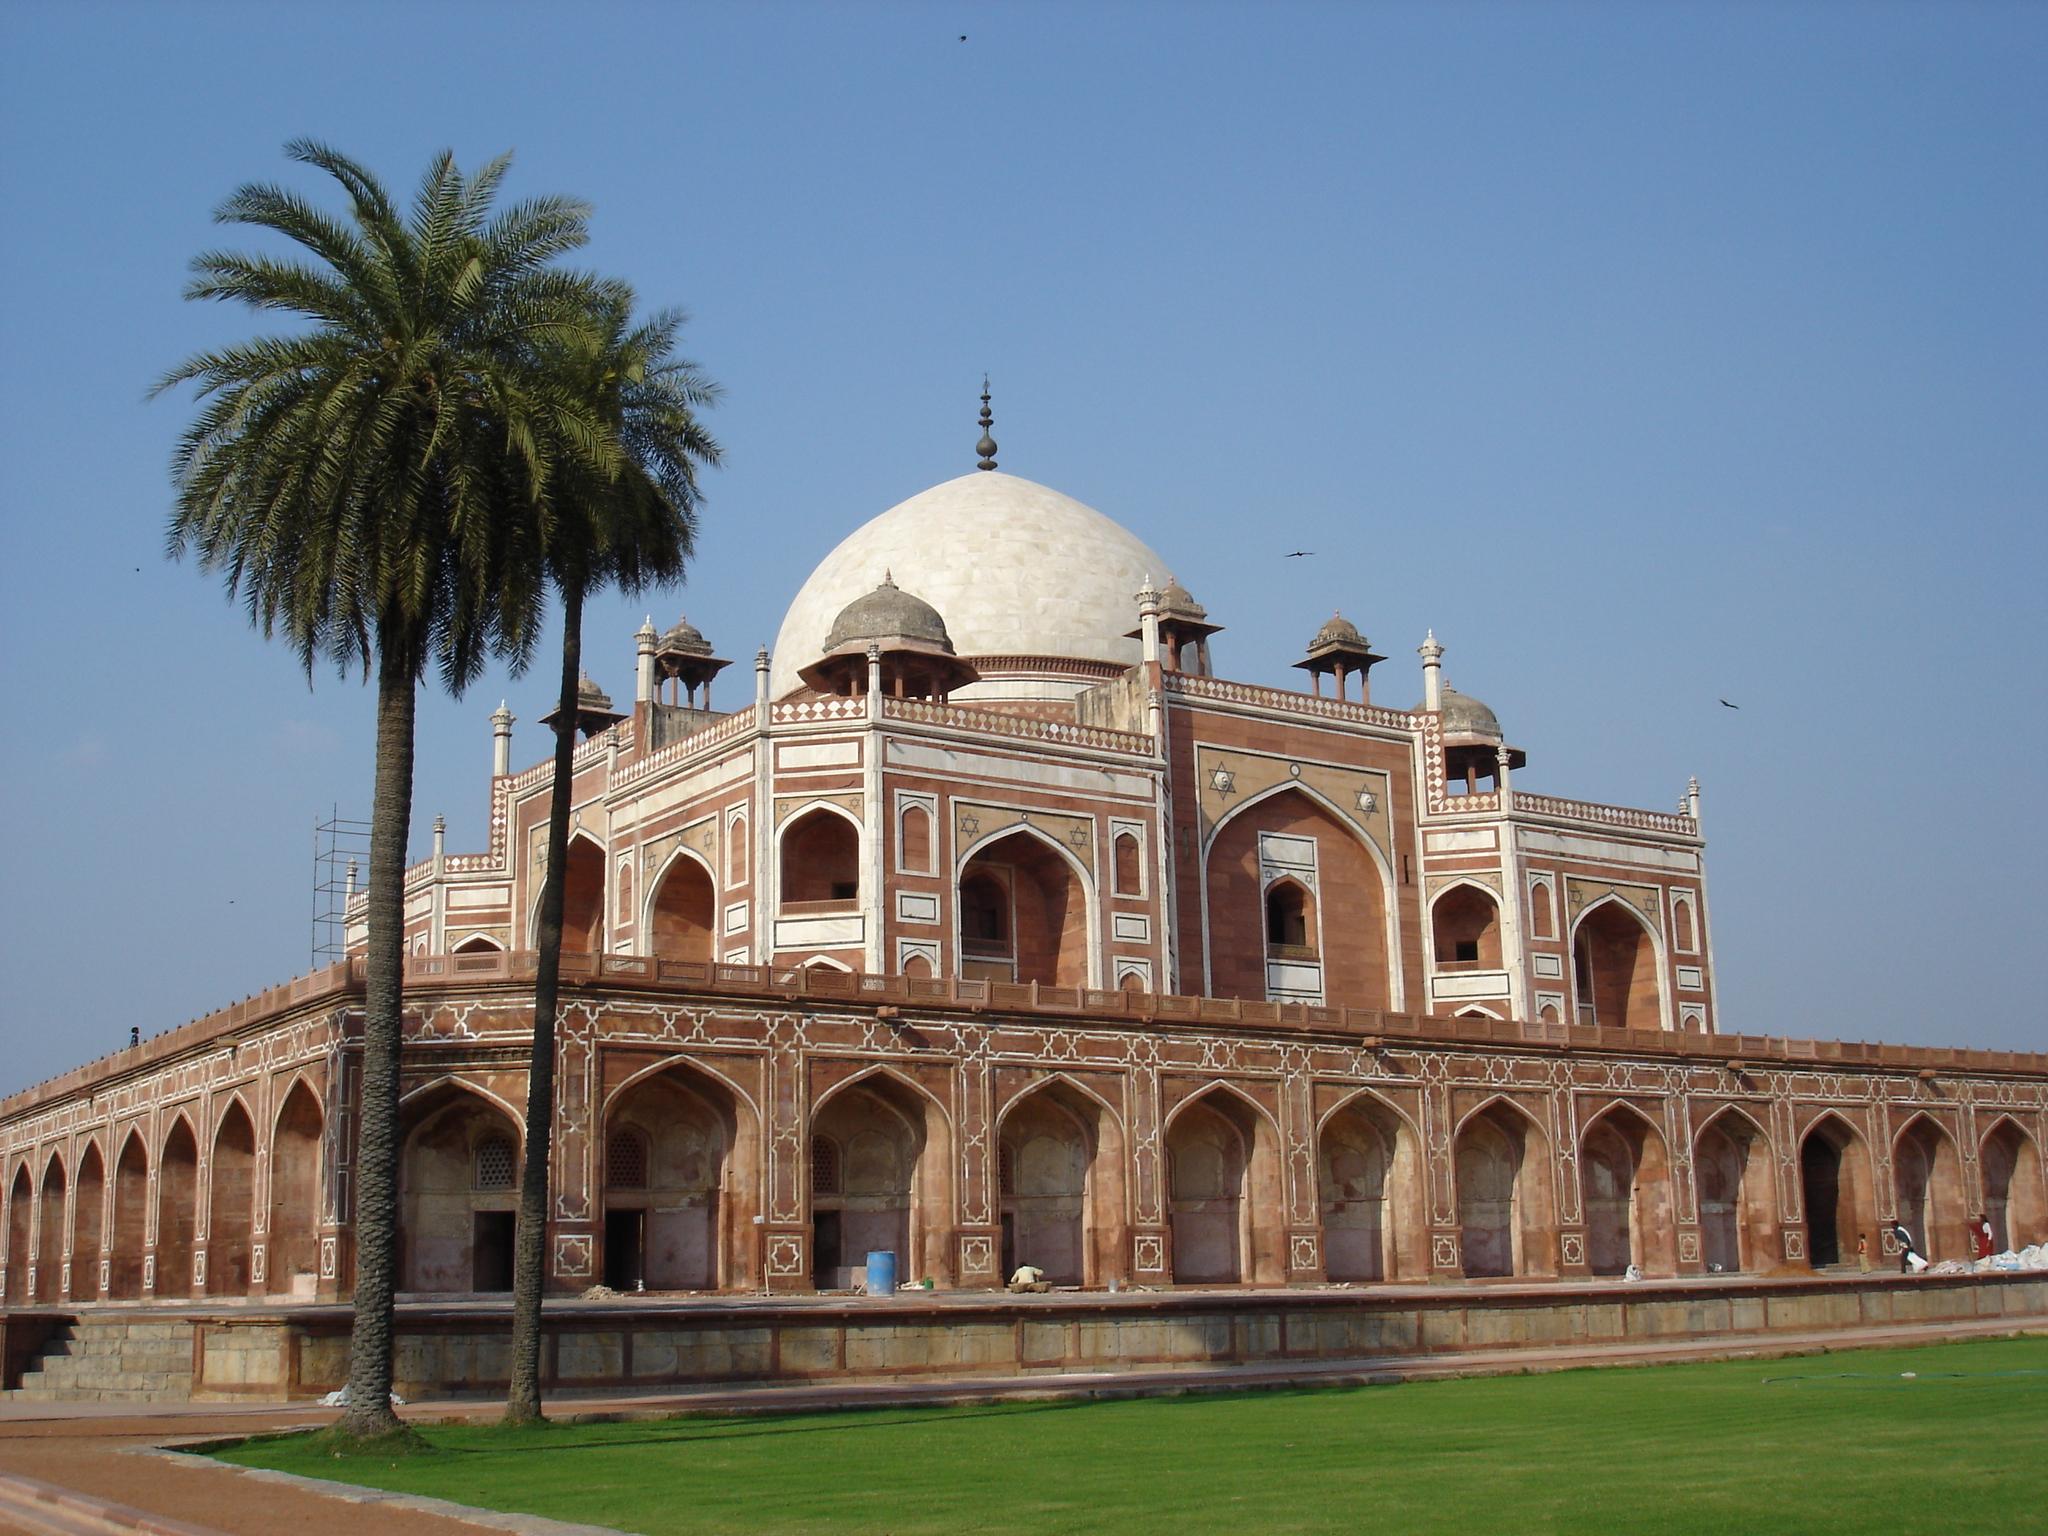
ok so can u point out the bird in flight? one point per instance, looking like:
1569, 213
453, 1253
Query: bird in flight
1296, 554
1726, 705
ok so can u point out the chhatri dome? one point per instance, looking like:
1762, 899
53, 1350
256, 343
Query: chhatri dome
1014, 568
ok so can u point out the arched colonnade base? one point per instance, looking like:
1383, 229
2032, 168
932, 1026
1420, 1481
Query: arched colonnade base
709, 1170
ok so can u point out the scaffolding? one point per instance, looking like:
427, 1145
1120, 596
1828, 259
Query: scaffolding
341, 858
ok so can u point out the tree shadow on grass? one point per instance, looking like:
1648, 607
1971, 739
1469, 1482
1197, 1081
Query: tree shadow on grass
844, 1421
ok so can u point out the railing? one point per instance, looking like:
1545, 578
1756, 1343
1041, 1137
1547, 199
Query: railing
1195, 686
803, 711
1367, 1027
1605, 815
989, 722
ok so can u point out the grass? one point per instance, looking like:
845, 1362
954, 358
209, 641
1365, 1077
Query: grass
1826, 1443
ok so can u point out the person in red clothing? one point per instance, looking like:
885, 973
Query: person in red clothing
1980, 1236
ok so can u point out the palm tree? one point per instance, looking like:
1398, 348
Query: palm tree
354, 479
632, 528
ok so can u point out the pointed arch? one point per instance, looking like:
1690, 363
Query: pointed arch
88, 1218
816, 869
1732, 1181
1048, 938
177, 1209
292, 1238
128, 1244
1618, 967
1372, 1188
1060, 1182
1226, 1196
584, 904
50, 1199
893, 1141
1625, 1192
680, 918
2015, 1194
1927, 1180
1500, 1164
680, 1179
1351, 973
231, 1197
457, 1187
1465, 926
1835, 1189
20, 1236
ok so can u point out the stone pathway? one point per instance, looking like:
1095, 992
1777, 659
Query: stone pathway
105, 1452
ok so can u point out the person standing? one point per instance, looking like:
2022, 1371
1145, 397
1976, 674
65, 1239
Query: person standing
1980, 1233
1863, 1252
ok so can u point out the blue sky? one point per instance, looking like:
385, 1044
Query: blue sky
1650, 354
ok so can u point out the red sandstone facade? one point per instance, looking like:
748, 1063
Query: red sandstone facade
1105, 965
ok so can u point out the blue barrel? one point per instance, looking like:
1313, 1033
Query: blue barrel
881, 1274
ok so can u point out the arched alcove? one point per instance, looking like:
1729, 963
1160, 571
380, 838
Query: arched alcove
1465, 926
1370, 1182
678, 1169
682, 917
821, 863
2015, 1200
458, 1192
177, 1209
1290, 920
1505, 1206
1625, 1194
1614, 963
1024, 914
231, 1210
21, 1203
88, 1207
131, 1219
50, 1232
891, 1146
1060, 1180
1127, 860
914, 840
292, 1266
1927, 1181
1834, 1179
1731, 1164
1224, 1196
583, 898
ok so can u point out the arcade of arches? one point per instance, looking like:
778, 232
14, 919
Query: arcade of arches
679, 1174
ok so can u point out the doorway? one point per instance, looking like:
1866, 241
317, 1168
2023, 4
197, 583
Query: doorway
491, 1257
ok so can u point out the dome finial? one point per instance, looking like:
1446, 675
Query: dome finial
986, 448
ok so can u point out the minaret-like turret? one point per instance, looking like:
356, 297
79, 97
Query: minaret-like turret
1432, 656
501, 740
644, 640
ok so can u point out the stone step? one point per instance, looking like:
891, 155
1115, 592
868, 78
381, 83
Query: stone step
73, 1369
114, 1389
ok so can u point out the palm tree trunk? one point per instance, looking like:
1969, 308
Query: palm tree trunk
376, 1186
522, 1401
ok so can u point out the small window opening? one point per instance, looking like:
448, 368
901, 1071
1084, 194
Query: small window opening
494, 1163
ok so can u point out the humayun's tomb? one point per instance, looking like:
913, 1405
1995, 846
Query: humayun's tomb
992, 926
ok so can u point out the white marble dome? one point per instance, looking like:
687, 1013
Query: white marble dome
1014, 568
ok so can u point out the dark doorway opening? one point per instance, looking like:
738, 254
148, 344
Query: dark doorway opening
491, 1257
1009, 1244
1820, 1170
824, 1248
625, 1237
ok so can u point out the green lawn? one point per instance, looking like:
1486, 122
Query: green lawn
1822, 1443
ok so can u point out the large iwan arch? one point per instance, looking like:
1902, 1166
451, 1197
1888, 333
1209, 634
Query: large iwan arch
1360, 951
